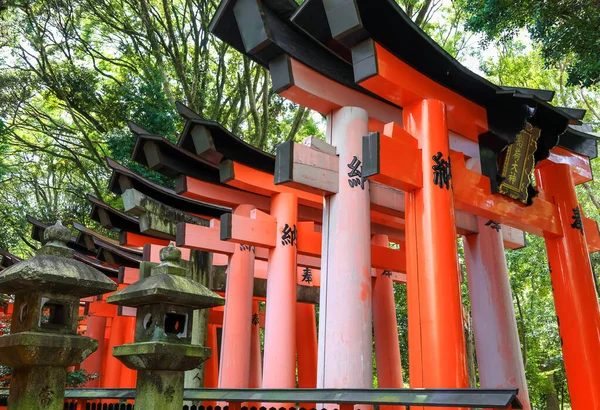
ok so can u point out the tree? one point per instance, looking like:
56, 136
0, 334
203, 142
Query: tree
74, 72
566, 30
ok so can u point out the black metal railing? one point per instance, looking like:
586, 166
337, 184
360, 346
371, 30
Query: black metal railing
465, 398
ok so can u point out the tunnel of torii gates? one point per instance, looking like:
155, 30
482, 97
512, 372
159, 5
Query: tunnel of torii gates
418, 151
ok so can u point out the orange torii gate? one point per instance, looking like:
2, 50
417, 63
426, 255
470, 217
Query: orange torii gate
160, 154
455, 142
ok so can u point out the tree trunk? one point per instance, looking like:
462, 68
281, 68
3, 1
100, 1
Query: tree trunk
552, 402
470, 341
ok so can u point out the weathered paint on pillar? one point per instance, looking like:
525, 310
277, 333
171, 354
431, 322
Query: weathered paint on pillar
279, 369
96, 327
385, 329
234, 369
306, 346
255, 353
255, 381
436, 341
345, 343
574, 290
497, 345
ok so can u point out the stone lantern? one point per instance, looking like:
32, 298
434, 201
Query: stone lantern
44, 340
162, 350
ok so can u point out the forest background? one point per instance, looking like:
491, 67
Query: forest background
73, 72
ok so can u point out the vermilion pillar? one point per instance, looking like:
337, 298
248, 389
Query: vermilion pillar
345, 322
499, 357
255, 381
437, 356
385, 328
111, 374
575, 295
234, 370
279, 369
96, 327
306, 346
211, 369
211, 366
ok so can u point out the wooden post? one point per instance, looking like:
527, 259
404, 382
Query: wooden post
211, 366
575, 294
345, 342
128, 376
255, 354
437, 356
280, 327
113, 367
234, 370
385, 329
96, 328
497, 345
306, 345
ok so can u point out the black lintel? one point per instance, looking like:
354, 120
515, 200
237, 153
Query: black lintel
214, 143
123, 176
119, 220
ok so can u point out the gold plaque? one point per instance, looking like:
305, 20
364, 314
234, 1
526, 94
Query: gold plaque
519, 163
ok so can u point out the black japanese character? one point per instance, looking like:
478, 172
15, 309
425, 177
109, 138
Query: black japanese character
355, 174
248, 248
494, 225
577, 222
255, 319
307, 275
289, 235
387, 273
442, 172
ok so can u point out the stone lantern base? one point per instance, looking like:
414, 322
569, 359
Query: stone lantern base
40, 362
160, 367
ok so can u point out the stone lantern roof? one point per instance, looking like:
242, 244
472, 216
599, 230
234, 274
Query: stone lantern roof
53, 269
167, 284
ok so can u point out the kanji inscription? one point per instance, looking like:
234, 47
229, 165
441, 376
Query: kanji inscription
442, 172
518, 164
307, 275
494, 225
355, 177
577, 222
289, 235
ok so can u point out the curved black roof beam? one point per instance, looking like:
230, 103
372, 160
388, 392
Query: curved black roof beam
123, 179
113, 255
111, 218
96, 238
579, 140
161, 155
256, 30
544, 95
109, 271
320, 30
212, 142
8, 259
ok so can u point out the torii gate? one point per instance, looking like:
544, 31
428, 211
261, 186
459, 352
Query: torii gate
331, 56
156, 152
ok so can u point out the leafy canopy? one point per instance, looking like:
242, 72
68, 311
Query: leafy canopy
565, 29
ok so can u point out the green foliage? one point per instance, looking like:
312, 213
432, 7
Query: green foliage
565, 29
